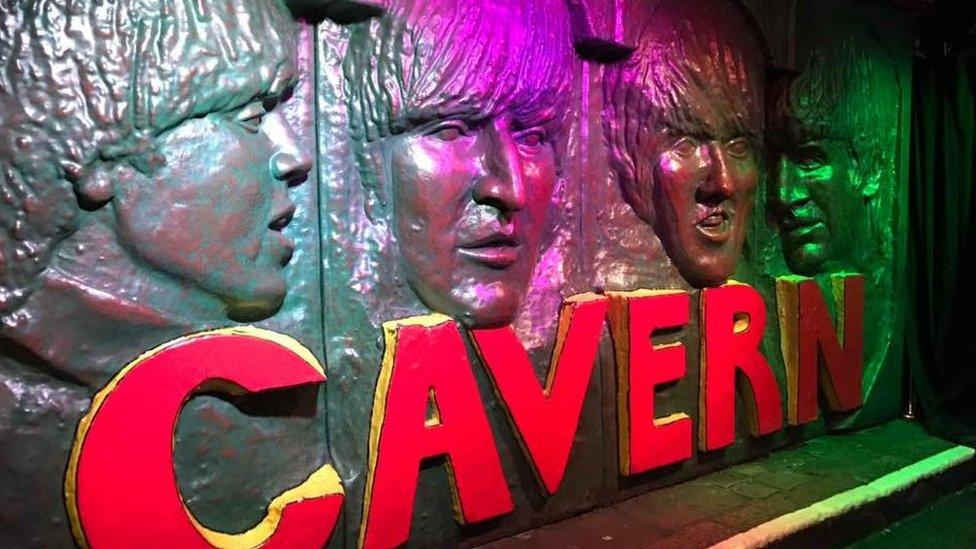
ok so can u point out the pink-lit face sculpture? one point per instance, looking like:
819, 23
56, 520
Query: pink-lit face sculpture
469, 147
703, 196
684, 117
470, 200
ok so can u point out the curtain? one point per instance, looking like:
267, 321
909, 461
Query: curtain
941, 338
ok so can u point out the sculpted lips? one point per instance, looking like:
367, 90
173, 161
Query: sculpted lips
497, 250
714, 222
799, 223
282, 244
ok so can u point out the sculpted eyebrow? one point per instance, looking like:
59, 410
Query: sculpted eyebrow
423, 116
535, 117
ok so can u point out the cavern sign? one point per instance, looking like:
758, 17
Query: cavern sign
506, 229
427, 405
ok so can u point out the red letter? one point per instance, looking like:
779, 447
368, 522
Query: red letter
734, 319
546, 418
121, 487
807, 333
426, 364
646, 442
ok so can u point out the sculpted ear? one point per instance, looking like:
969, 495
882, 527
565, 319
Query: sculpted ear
870, 187
93, 187
120, 162
871, 166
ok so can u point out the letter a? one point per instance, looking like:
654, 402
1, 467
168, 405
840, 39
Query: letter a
426, 367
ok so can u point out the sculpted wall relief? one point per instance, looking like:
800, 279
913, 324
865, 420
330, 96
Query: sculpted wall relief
684, 118
147, 166
837, 166
171, 166
458, 203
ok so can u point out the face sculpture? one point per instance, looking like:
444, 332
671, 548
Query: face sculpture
470, 201
816, 202
833, 133
684, 120
190, 173
212, 214
471, 147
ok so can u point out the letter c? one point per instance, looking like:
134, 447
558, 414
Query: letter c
121, 488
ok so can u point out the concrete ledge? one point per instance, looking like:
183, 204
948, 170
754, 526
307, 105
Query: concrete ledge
846, 516
825, 492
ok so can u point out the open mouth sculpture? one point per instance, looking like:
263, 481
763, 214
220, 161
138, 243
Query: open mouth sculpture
715, 223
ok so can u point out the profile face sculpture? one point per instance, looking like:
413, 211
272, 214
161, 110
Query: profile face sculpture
460, 118
155, 147
834, 128
684, 121
213, 212
143, 188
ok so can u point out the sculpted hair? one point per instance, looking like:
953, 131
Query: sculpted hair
848, 90
429, 59
696, 64
89, 82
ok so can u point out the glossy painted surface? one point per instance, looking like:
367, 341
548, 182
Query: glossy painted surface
837, 157
144, 195
470, 201
481, 159
685, 122
834, 136
461, 144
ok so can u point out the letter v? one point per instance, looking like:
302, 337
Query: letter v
545, 418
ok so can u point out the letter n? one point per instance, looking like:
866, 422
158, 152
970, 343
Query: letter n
426, 367
813, 348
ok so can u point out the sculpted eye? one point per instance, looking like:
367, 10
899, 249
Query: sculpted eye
532, 138
811, 157
251, 116
738, 148
685, 147
449, 131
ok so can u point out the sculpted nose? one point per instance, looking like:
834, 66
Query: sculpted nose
290, 163
719, 182
502, 184
291, 166
789, 190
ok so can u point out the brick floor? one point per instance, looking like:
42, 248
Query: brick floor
713, 507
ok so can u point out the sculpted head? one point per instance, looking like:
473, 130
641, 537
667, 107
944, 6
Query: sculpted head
456, 108
156, 117
684, 123
834, 131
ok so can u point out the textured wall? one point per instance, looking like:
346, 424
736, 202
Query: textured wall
152, 151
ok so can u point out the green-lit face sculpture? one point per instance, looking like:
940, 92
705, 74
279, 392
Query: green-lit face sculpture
817, 203
833, 135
